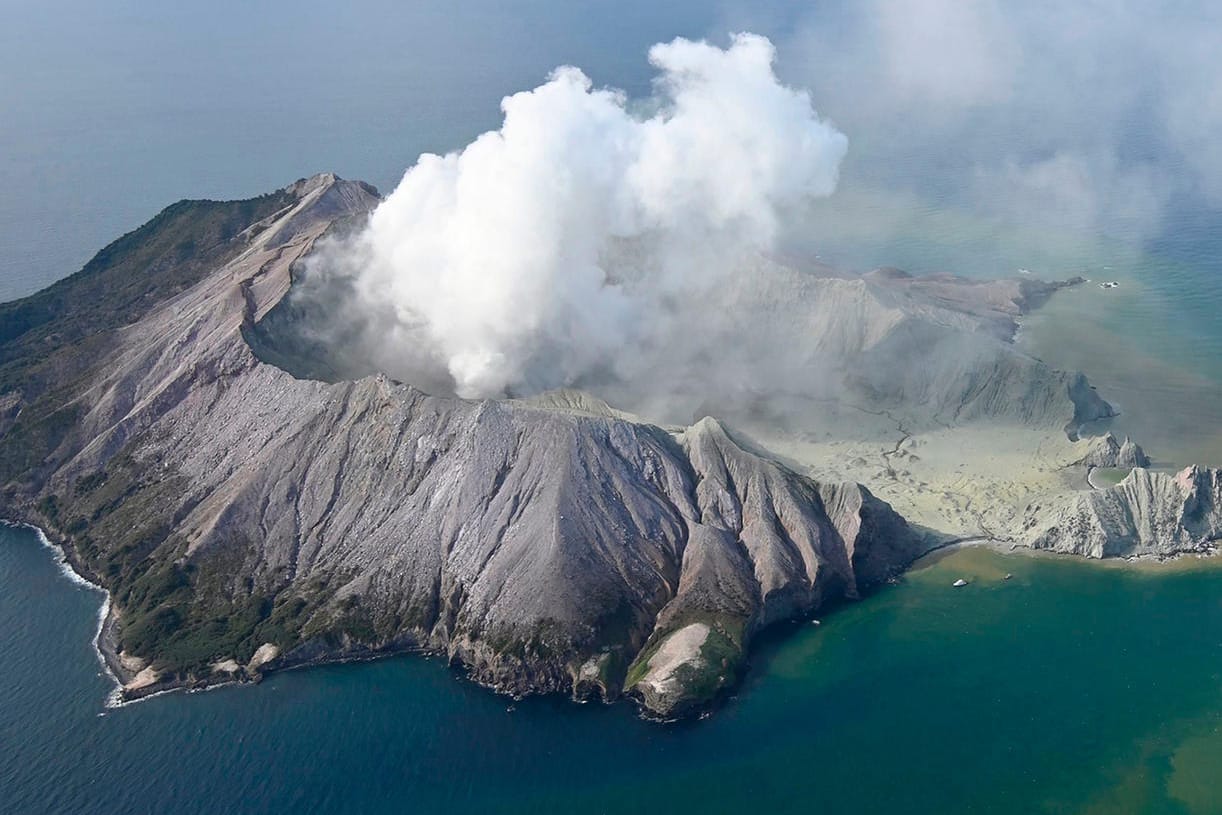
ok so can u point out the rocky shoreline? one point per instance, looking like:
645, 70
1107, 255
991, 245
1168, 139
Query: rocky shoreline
127, 689
105, 641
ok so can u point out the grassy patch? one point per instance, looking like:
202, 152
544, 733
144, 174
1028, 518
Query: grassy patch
721, 657
722, 652
35, 435
640, 667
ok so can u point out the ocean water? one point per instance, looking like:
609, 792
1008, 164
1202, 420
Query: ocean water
1071, 687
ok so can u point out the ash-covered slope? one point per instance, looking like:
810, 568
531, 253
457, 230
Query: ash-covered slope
1148, 513
245, 519
934, 351
1107, 451
770, 346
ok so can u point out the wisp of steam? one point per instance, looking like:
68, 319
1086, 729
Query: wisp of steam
581, 240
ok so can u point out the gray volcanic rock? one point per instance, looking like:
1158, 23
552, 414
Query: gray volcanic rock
951, 360
765, 545
1106, 451
934, 351
931, 351
1131, 455
996, 305
244, 517
1149, 513
522, 542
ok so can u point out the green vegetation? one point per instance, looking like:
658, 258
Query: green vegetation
722, 655
284, 624
49, 507
638, 669
187, 630
544, 641
38, 431
87, 483
722, 658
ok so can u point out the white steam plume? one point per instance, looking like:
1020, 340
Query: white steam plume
578, 238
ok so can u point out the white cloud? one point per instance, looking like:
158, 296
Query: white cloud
562, 242
946, 52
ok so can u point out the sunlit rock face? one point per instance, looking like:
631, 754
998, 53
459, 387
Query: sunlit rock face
1148, 513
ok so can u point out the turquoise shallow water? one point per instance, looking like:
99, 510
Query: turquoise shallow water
1072, 687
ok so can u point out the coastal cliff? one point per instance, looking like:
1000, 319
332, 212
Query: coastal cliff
1147, 513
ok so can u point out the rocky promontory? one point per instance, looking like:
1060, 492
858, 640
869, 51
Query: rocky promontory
1107, 452
1148, 513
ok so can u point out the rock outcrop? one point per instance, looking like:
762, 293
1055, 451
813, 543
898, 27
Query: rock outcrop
933, 350
1148, 513
1131, 455
763, 546
1106, 451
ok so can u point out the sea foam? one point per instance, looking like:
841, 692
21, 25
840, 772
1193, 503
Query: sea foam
113, 699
